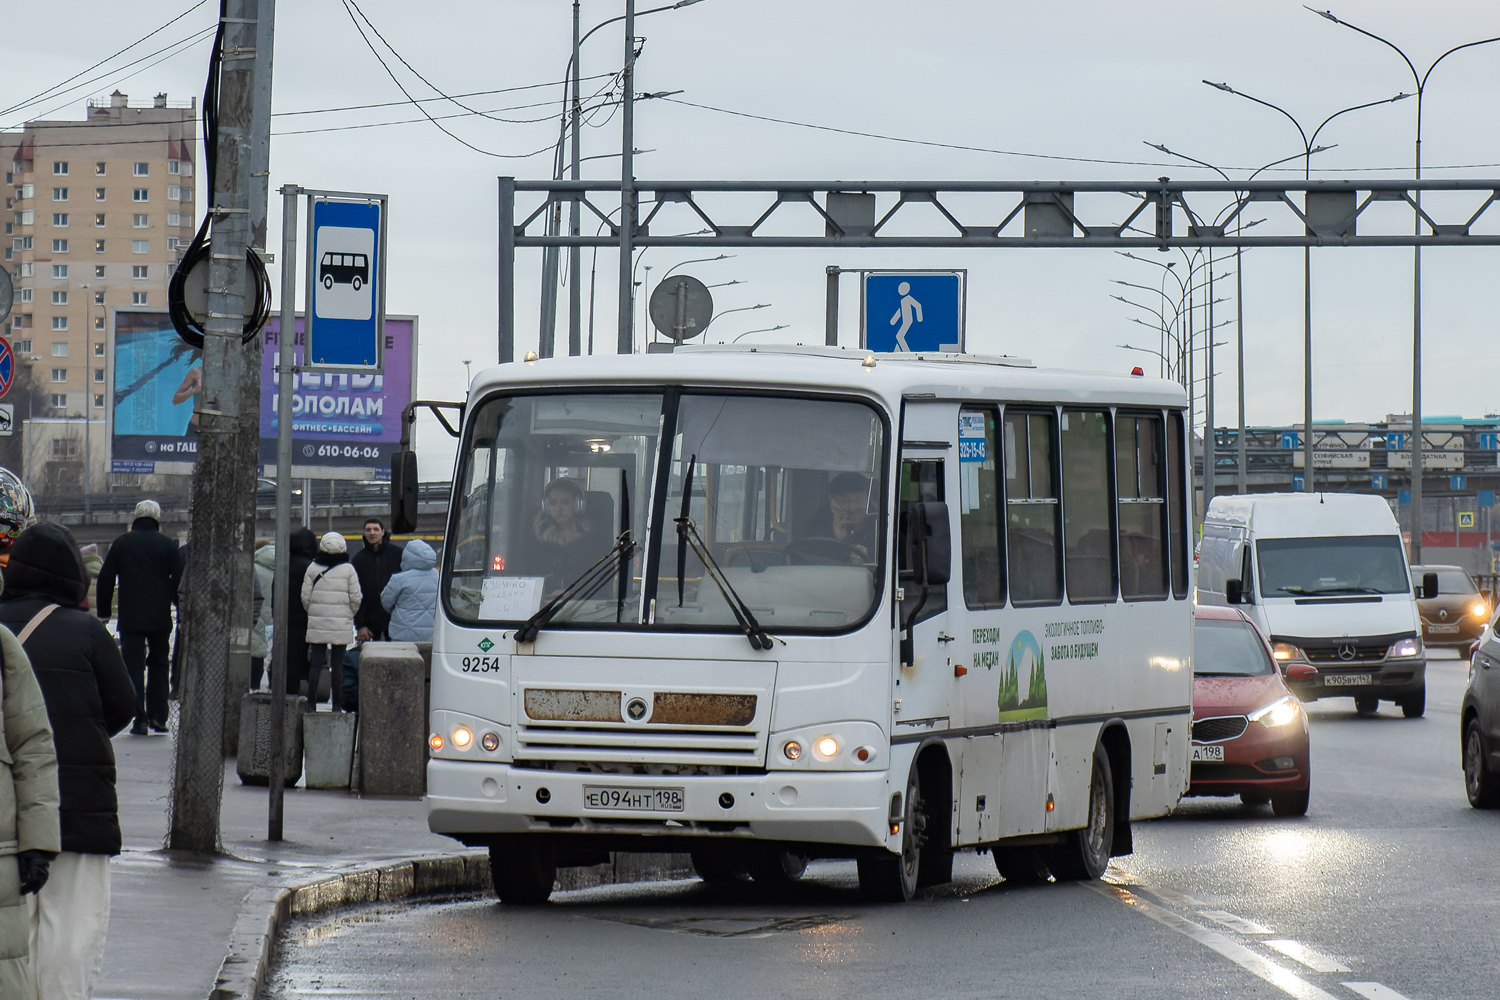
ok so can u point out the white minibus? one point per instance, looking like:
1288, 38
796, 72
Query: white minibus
762, 605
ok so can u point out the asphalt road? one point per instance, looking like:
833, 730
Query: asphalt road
1384, 890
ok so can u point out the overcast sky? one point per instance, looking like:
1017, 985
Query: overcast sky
1088, 79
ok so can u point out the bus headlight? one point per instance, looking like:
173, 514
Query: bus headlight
462, 737
826, 746
1278, 713
792, 749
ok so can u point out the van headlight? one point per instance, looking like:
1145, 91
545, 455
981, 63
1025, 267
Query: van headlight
1278, 713
1404, 649
1284, 651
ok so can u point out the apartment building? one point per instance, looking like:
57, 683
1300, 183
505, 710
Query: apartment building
95, 213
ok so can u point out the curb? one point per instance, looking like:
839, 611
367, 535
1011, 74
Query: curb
265, 912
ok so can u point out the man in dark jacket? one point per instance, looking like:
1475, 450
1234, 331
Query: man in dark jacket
89, 698
304, 549
376, 563
147, 565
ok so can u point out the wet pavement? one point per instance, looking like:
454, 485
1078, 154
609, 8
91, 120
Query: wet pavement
1381, 891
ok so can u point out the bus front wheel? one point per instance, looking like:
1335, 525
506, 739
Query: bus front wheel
523, 868
1084, 854
892, 878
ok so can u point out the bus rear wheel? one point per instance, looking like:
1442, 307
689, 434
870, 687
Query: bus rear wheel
1020, 865
1084, 854
523, 868
892, 878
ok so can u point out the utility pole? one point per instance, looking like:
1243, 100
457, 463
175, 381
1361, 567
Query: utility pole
280, 598
228, 436
575, 254
625, 342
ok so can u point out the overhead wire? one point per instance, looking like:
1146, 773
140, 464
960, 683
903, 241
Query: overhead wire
36, 98
472, 93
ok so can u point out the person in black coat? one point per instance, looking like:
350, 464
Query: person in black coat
375, 564
304, 549
148, 567
89, 698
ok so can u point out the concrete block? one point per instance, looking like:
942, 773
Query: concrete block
253, 763
328, 747
393, 719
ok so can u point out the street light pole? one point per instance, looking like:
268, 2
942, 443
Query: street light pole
1307, 360
625, 337
1420, 79
575, 253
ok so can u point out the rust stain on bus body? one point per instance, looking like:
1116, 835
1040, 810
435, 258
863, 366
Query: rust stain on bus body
563, 705
692, 709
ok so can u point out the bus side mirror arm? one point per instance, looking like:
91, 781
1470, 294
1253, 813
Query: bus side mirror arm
404, 463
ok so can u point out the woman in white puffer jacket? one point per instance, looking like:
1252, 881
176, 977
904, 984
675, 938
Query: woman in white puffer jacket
331, 595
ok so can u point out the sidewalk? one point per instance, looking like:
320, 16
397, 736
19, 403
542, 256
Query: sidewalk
171, 915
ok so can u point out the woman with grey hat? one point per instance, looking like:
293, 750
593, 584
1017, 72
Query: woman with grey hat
331, 595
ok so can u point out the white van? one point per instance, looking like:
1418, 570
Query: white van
1325, 576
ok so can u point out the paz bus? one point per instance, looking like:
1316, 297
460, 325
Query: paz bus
762, 605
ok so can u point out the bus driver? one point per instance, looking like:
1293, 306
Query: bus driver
852, 523
564, 534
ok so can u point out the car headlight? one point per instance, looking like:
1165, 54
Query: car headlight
1279, 713
1404, 648
1284, 651
1479, 611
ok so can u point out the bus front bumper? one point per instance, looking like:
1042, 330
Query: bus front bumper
469, 799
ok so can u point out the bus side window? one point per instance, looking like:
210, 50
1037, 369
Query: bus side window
979, 510
921, 482
1088, 542
1141, 513
1029, 451
1176, 520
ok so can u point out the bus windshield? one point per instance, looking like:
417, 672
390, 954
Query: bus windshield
785, 504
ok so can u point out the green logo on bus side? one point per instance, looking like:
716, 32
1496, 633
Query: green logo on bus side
1016, 703
485, 645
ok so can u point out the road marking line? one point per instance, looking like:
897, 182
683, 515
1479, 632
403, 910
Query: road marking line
1313, 959
1374, 991
1235, 922
1282, 978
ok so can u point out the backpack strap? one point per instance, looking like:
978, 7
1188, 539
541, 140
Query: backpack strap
36, 620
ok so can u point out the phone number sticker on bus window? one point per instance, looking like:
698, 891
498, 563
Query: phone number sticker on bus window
971, 445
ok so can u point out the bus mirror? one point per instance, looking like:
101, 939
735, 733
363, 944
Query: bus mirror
1429, 588
928, 537
403, 492
1234, 592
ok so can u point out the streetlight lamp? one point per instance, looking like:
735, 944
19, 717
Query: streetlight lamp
764, 329
1416, 271
1242, 474
1308, 143
726, 312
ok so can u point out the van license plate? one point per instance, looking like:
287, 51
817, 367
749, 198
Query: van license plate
1346, 680
1208, 753
635, 799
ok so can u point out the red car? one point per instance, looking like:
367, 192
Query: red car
1249, 730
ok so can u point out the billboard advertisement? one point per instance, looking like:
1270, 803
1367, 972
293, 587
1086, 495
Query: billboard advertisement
157, 378
343, 425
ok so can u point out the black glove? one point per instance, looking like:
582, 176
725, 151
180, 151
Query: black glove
33, 866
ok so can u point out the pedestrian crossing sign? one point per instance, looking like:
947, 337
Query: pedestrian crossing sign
1466, 519
912, 311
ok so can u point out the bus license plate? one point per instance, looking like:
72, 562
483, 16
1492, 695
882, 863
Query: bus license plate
635, 799
1208, 753
1346, 680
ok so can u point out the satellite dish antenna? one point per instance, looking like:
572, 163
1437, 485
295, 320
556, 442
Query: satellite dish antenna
681, 307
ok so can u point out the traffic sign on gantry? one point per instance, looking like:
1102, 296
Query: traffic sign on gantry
346, 283
915, 311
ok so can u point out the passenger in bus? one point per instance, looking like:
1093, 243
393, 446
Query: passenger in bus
567, 542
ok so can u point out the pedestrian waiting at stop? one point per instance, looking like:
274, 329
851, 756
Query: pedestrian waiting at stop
89, 698
376, 562
260, 646
304, 549
146, 564
331, 595
411, 596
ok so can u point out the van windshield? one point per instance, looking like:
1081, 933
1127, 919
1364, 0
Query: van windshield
1345, 564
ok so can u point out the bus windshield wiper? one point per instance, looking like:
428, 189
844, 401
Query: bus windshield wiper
586, 585
688, 537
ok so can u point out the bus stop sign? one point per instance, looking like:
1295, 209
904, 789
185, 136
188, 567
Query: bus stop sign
346, 283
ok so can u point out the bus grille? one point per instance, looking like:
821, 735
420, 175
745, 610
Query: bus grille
653, 745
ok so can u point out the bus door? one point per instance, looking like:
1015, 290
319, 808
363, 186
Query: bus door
924, 688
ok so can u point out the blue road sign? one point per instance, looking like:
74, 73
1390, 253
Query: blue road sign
345, 284
1289, 439
1466, 519
1377, 480
1403, 496
913, 312
1486, 498
7, 366
1456, 483
1298, 483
